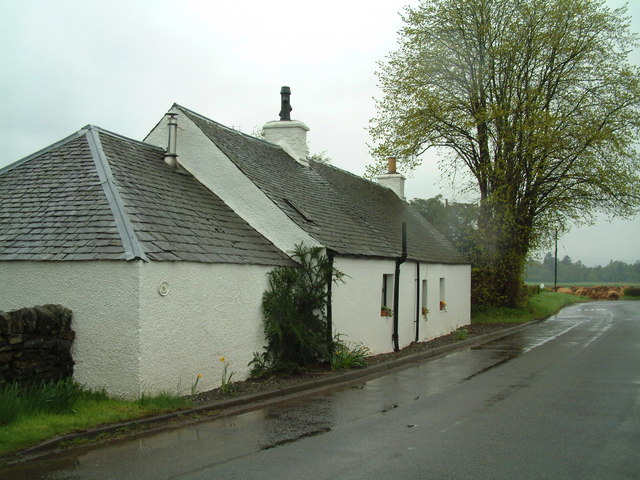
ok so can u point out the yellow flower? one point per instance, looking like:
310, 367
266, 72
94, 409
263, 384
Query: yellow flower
199, 375
222, 359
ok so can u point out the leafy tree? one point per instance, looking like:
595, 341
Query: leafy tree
577, 272
456, 221
321, 157
534, 101
549, 259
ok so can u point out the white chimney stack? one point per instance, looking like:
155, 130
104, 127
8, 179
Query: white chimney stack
392, 179
291, 135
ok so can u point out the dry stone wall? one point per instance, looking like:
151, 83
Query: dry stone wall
35, 344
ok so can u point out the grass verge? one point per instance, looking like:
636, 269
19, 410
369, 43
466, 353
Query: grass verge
30, 423
539, 306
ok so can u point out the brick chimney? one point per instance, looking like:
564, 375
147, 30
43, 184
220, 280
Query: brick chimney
291, 135
392, 179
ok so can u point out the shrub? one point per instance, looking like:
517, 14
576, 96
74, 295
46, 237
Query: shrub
531, 290
294, 310
261, 365
632, 292
348, 356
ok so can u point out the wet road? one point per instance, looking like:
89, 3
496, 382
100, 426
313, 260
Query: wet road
560, 399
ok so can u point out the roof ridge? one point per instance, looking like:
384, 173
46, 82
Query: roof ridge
53, 146
230, 129
123, 137
359, 177
127, 234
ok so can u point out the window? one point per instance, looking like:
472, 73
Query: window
386, 301
443, 303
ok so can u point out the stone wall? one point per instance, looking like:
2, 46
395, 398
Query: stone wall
35, 344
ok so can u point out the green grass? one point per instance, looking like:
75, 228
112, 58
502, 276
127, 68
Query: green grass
31, 422
539, 306
461, 333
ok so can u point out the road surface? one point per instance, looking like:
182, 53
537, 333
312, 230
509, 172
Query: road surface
557, 400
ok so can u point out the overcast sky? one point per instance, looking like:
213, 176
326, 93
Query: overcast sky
120, 64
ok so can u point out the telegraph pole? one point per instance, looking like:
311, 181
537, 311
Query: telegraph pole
555, 266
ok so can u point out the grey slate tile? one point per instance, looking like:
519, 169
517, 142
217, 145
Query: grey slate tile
344, 212
53, 207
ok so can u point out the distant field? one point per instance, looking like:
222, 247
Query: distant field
587, 284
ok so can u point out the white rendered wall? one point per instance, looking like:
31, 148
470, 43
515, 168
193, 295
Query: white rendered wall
356, 304
210, 311
104, 299
205, 161
457, 297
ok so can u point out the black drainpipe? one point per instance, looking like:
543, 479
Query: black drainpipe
396, 287
417, 301
329, 308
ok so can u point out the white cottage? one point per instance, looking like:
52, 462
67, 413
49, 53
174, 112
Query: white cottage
163, 253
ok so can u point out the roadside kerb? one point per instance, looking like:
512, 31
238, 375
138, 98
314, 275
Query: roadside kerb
245, 403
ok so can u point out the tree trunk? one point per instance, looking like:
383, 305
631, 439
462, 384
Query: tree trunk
499, 257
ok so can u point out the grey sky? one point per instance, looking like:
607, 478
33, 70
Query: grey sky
120, 64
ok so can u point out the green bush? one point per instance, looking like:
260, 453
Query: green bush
632, 292
348, 356
261, 365
294, 307
531, 290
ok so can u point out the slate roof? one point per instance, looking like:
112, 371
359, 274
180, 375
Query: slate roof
96, 195
346, 213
